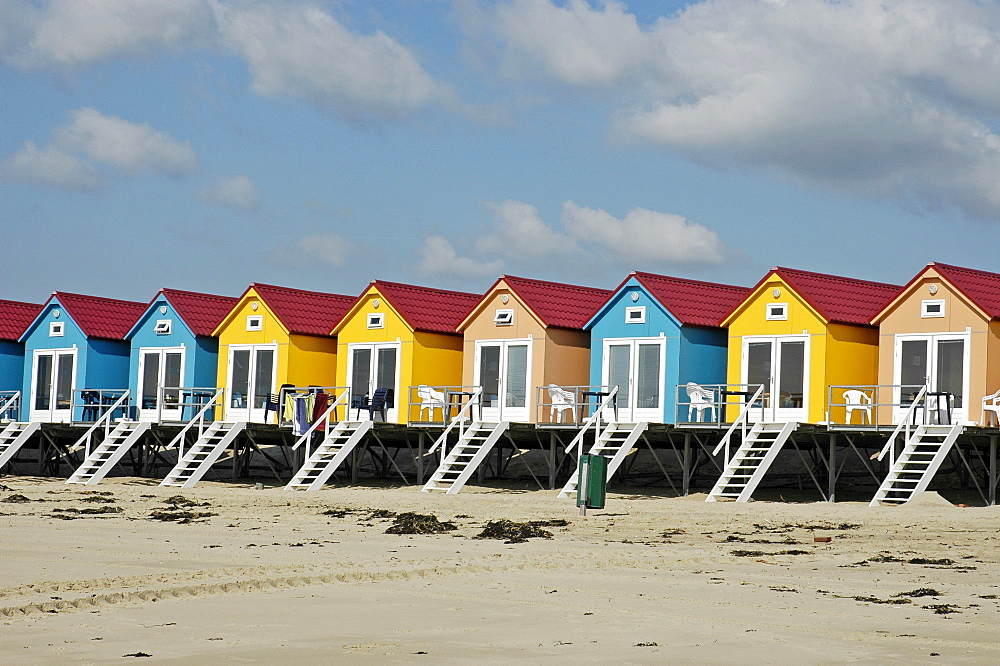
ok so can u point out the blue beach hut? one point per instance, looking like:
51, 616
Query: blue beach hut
74, 350
657, 332
15, 317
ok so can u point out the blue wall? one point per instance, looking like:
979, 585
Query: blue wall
11, 365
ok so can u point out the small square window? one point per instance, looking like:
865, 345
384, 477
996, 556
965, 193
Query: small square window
376, 320
255, 323
777, 312
932, 308
504, 318
162, 327
56, 329
635, 315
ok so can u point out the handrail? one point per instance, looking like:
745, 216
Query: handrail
105, 419
904, 423
200, 418
15, 399
593, 420
324, 420
741, 421
459, 419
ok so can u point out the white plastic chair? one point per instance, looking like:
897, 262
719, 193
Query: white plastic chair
430, 399
991, 406
856, 400
560, 401
700, 399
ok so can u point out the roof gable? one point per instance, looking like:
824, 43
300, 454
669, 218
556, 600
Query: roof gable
96, 316
554, 304
425, 308
980, 287
693, 302
299, 311
201, 312
15, 317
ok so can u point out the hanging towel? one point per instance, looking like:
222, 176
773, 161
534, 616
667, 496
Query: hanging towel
289, 414
301, 422
322, 400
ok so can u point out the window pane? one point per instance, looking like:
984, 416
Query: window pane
150, 377
912, 369
759, 367
793, 355
241, 377
950, 368
263, 370
517, 375
361, 372
385, 373
489, 375
64, 381
618, 370
648, 390
172, 377
43, 385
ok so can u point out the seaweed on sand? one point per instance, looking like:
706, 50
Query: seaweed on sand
417, 523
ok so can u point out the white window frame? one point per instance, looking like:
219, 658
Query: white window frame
57, 329
163, 326
777, 314
504, 317
925, 312
376, 320
255, 323
635, 310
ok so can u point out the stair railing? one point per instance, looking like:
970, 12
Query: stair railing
198, 418
904, 427
104, 420
324, 420
740, 422
460, 420
12, 403
595, 421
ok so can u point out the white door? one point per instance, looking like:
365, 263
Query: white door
939, 361
250, 381
780, 364
503, 370
636, 367
53, 379
160, 366
371, 367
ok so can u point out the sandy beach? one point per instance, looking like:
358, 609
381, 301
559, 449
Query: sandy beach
115, 573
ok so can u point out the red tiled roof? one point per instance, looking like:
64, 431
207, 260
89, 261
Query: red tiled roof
304, 312
838, 299
980, 287
15, 317
425, 308
201, 312
556, 304
693, 302
98, 317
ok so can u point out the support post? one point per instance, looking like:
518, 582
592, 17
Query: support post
552, 460
832, 469
420, 457
993, 471
686, 472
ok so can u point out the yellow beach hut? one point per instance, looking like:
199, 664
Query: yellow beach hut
275, 336
396, 336
797, 333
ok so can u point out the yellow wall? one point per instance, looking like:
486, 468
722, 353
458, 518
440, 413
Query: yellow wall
838, 353
424, 358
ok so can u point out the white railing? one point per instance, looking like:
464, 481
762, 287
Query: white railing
740, 422
212, 404
595, 421
342, 400
11, 403
904, 427
886, 400
423, 397
174, 401
461, 420
553, 401
105, 420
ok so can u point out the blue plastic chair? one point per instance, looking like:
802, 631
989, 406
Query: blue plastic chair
378, 402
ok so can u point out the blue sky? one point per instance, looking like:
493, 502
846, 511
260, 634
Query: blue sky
208, 144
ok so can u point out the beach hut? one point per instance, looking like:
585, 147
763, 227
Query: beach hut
657, 332
796, 333
942, 331
172, 346
275, 336
396, 336
15, 317
524, 334
74, 352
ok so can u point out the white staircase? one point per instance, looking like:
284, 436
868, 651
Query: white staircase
750, 462
473, 446
917, 463
614, 443
106, 455
328, 456
203, 453
13, 437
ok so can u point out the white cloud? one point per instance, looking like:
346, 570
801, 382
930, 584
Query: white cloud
642, 235
519, 231
887, 99
325, 248
235, 192
50, 167
125, 145
438, 257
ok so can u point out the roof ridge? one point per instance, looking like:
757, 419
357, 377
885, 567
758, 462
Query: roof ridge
830, 276
551, 283
406, 285
706, 283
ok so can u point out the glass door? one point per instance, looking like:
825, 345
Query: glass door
250, 382
636, 367
939, 361
53, 379
160, 367
371, 367
503, 371
780, 364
